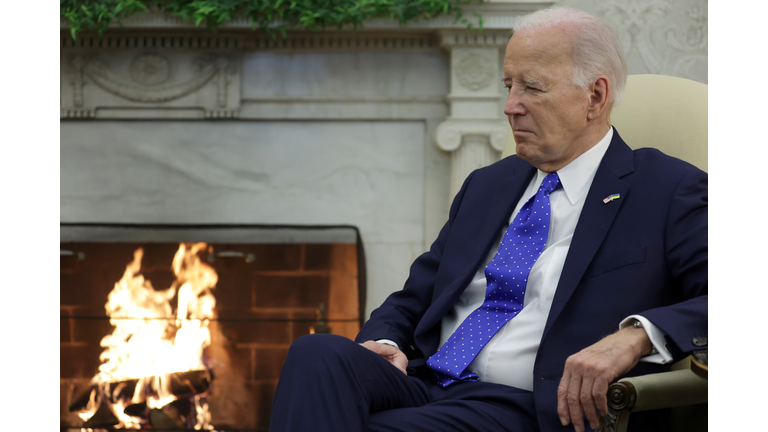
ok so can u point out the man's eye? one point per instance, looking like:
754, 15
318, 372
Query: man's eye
531, 88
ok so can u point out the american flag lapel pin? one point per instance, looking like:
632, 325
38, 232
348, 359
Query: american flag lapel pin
610, 198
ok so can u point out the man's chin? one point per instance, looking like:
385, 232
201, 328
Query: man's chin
522, 150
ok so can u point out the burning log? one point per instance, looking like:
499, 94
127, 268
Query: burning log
137, 382
182, 385
113, 392
160, 420
102, 418
80, 402
120, 391
137, 410
175, 415
186, 384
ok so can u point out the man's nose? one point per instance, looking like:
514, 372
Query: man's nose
514, 105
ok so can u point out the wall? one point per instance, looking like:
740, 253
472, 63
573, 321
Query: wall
324, 128
667, 37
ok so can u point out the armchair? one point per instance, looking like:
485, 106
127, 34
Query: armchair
669, 114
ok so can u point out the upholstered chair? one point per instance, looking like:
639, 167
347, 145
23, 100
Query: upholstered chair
669, 114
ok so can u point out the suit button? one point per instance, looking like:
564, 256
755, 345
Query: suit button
699, 341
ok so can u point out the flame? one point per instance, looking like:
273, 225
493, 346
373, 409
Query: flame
149, 341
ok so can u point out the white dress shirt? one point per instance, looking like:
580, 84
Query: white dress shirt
509, 356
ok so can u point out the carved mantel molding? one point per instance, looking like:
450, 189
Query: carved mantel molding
476, 130
135, 75
472, 143
149, 79
159, 66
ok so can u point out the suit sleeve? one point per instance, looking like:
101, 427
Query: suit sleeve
397, 317
686, 243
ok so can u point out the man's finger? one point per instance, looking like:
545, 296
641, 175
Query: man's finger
587, 401
600, 395
389, 353
574, 402
379, 348
562, 400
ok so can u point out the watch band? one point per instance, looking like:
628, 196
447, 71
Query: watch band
638, 324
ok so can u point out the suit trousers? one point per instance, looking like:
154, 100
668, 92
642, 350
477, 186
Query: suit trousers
332, 384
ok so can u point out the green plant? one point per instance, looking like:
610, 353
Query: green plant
271, 15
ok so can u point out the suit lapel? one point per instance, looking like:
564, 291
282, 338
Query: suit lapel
594, 222
490, 205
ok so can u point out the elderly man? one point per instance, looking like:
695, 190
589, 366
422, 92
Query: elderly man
509, 322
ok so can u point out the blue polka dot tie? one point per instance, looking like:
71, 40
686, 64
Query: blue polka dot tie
506, 276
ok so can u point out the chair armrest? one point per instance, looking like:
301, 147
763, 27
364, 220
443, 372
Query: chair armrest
661, 390
648, 392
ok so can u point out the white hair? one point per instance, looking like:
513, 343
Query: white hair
596, 50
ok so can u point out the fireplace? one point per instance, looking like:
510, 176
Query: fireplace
322, 128
274, 284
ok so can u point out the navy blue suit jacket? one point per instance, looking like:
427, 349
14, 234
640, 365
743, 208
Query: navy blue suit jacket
645, 253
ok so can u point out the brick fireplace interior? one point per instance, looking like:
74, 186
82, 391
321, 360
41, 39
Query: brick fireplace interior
270, 287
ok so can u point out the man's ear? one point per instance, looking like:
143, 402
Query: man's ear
599, 92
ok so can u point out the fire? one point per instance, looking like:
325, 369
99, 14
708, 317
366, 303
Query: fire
151, 346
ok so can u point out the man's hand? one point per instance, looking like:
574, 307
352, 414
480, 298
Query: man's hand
390, 354
589, 372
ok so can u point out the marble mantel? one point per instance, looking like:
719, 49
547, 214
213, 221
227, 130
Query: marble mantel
163, 122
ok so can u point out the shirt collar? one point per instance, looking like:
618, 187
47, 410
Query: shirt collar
576, 177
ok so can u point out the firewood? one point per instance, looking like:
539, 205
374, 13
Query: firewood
101, 419
122, 390
182, 385
167, 417
185, 384
81, 399
137, 410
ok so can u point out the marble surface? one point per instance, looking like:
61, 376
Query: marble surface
350, 85
330, 75
366, 174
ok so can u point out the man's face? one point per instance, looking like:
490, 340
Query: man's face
548, 114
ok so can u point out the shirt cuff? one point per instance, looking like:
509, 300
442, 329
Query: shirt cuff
388, 342
660, 355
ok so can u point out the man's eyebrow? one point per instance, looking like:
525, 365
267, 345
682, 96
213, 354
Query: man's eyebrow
533, 81
526, 80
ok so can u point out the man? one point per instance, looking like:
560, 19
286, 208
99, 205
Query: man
509, 322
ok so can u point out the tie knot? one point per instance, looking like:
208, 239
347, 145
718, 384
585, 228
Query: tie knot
550, 182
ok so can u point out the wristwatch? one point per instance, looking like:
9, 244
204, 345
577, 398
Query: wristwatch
637, 324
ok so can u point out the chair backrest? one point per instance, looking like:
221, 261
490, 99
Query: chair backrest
663, 112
